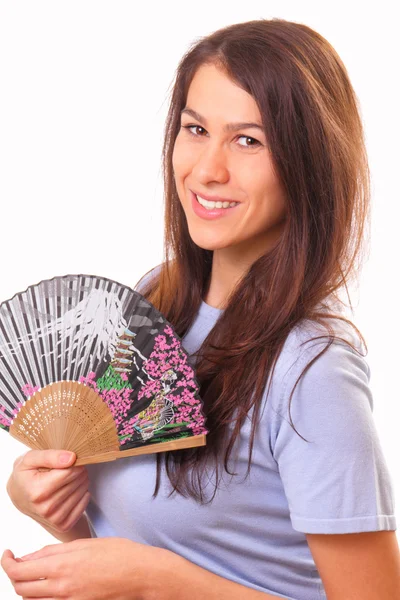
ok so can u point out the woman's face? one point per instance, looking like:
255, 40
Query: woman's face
235, 164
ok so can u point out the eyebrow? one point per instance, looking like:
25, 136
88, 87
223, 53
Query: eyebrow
228, 126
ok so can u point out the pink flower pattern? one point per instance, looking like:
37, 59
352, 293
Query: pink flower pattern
4, 420
28, 389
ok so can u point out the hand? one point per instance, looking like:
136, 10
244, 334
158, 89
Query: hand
102, 568
56, 495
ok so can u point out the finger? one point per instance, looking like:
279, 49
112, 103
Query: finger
46, 551
62, 497
76, 513
56, 480
19, 459
7, 556
7, 562
34, 589
51, 459
66, 502
57, 549
60, 477
73, 509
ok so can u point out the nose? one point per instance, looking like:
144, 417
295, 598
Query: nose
211, 165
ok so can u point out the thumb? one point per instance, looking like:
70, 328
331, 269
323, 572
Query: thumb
51, 459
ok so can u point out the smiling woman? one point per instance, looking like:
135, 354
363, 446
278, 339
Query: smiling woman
262, 116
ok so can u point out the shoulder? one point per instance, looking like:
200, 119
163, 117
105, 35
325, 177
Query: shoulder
320, 367
147, 277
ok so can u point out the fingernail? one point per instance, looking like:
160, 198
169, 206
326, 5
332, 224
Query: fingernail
65, 457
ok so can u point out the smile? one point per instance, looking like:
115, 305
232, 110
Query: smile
206, 209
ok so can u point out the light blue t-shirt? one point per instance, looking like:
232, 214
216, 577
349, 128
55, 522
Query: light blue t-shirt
253, 531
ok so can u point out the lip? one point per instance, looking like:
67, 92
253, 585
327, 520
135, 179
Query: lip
215, 213
213, 198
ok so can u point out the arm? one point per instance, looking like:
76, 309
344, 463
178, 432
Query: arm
355, 566
358, 566
176, 578
138, 571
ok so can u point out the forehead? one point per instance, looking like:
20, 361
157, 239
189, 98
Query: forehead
213, 94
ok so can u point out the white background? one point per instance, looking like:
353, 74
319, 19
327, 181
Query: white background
84, 91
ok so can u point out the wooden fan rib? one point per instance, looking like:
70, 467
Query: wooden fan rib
188, 442
72, 417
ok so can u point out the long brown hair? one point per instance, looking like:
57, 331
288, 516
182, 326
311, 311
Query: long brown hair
312, 123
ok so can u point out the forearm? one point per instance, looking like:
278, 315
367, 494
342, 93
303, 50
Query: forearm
189, 581
79, 530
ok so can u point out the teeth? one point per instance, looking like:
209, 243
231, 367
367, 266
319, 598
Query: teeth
209, 204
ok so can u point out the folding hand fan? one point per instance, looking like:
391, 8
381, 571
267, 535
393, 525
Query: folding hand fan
89, 365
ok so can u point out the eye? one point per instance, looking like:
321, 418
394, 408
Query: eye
189, 127
246, 137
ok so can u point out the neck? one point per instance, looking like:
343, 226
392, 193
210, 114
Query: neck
231, 264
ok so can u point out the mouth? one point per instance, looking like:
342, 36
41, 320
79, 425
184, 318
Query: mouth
212, 203
210, 210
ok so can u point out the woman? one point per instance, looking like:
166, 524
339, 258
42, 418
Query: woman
264, 120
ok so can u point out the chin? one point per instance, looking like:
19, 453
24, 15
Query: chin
205, 246
208, 244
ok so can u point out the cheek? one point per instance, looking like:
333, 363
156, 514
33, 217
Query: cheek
180, 158
179, 169
271, 200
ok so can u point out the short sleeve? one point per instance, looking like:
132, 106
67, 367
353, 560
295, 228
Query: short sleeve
339, 482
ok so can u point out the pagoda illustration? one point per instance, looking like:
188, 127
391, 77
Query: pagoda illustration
122, 360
